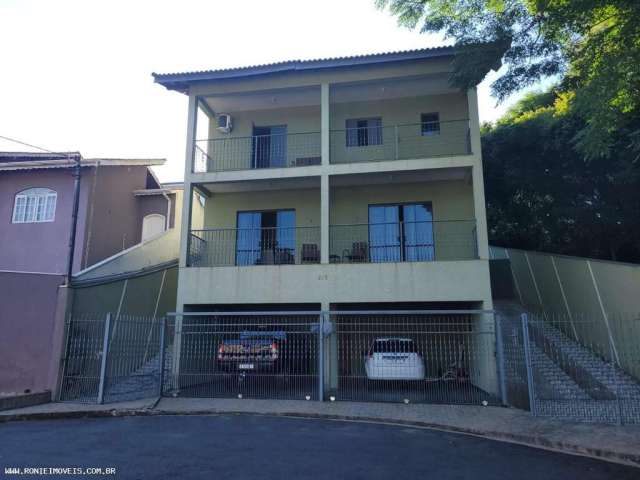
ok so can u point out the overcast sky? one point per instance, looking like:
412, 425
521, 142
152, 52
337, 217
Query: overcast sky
76, 75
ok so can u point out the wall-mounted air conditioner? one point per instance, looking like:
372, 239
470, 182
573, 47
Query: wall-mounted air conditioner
225, 123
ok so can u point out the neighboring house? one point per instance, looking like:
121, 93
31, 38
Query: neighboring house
121, 203
345, 181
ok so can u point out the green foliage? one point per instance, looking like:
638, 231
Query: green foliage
543, 194
592, 45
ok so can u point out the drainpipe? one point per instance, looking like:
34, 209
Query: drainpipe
167, 219
74, 217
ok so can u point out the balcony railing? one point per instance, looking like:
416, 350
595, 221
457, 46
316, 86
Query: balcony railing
400, 142
254, 246
403, 242
367, 144
257, 151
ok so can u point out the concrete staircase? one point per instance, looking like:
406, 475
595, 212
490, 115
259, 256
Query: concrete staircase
570, 380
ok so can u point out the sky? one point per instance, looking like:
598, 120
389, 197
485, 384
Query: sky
76, 75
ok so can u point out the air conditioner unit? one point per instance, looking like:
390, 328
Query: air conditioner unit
224, 123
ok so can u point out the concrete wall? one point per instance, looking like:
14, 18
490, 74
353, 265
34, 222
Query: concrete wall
155, 251
337, 283
141, 294
27, 323
593, 301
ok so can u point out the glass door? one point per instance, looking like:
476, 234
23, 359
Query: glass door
417, 222
384, 233
248, 238
269, 147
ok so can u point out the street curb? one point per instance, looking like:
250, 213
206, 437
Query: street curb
631, 459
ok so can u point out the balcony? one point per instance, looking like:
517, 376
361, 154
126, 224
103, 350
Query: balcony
222, 247
354, 243
406, 241
257, 151
400, 142
349, 145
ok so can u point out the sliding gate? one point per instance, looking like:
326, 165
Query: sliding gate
244, 355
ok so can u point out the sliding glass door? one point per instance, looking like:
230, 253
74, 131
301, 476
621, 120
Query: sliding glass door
269, 147
400, 233
266, 238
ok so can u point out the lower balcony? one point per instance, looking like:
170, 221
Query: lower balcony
383, 242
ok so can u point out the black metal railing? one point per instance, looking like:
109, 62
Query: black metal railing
400, 142
254, 246
425, 241
257, 151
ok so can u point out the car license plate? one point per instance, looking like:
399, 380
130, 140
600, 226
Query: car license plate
245, 366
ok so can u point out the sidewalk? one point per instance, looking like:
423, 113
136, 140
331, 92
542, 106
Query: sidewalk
607, 442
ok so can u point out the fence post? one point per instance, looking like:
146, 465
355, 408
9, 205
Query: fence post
527, 361
321, 357
163, 324
103, 363
615, 379
500, 359
396, 139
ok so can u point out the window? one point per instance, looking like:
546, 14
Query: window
361, 132
152, 225
430, 124
35, 205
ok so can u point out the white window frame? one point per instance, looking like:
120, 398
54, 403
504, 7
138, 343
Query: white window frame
35, 205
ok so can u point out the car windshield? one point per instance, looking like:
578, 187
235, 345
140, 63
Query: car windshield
394, 345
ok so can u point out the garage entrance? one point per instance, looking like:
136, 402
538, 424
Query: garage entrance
244, 355
413, 356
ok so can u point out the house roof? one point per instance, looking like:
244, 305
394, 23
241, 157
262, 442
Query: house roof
33, 161
181, 81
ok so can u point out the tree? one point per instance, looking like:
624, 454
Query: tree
542, 194
592, 45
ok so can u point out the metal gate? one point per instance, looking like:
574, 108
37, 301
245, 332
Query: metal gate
244, 355
412, 357
110, 358
569, 368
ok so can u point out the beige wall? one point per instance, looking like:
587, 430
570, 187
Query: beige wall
221, 209
592, 301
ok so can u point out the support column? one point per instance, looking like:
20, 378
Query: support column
324, 218
188, 190
324, 123
477, 176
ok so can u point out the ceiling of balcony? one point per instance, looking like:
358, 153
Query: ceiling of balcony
342, 93
414, 176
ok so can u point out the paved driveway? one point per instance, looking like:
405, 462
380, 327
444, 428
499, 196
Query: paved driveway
271, 447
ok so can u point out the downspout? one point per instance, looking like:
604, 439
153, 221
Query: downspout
167, 219
74, 217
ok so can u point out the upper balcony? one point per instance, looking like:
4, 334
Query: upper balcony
399, 119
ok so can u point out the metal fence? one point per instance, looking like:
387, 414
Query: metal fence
245, 355
254, 246
412, 356
542, 363
111, 358
400, 142
423, 241
257, 151
554, 369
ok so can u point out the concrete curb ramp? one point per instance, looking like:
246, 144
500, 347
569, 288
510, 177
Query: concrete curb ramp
619, 444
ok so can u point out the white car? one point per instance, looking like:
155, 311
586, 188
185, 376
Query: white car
394, 359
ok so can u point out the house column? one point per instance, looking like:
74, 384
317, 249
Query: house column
188, 189
324, 178
477, 175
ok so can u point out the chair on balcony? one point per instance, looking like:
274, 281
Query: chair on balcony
310, 253
359, 253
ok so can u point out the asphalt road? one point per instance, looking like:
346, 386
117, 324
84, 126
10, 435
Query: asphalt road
255, 447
